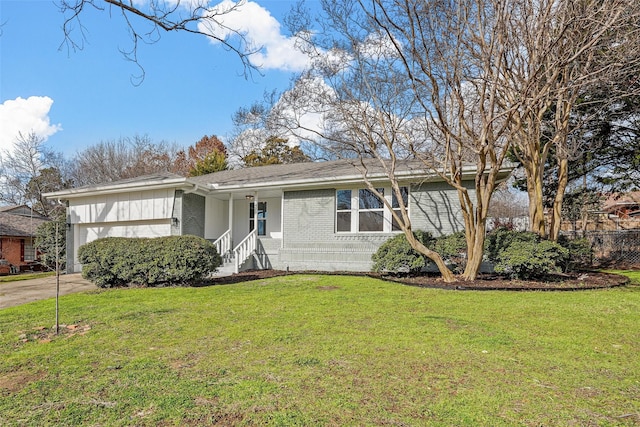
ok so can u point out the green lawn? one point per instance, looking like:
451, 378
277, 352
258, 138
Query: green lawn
324, 350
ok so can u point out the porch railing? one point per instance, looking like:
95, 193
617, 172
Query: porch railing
223, 246
245, 249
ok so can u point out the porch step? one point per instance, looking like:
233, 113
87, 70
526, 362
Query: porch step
226, 269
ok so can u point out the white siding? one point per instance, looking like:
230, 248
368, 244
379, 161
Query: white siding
85, 233
91, 232
132, 206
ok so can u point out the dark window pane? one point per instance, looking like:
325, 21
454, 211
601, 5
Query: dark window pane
405, 197
343, 222
344, 200
368, 200
394, 223
262, 215
370, 221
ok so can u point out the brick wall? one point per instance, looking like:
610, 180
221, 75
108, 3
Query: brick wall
310, 240
435, 207
12, 250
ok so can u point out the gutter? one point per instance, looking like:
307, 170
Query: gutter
469, 173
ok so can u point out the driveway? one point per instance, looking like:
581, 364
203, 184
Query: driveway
23, 291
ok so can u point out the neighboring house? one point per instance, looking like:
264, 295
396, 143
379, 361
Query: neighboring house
624, 205
304, 216
18, 225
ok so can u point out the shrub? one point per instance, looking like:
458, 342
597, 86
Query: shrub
580, 253
453, 250
397, 256
120, 261
501, 238
530, 259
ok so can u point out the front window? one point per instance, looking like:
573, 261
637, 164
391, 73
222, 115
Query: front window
395, 204
363, 211
343, 210
262, 218
370, 210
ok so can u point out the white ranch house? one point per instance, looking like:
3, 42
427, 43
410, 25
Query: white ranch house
309, 216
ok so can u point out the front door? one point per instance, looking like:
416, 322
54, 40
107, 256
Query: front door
262, 217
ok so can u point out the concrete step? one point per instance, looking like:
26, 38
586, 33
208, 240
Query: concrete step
227, 269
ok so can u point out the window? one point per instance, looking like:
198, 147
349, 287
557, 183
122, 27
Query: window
395, 204
29, 252
262, 218
370, 210
363, 211
343, 209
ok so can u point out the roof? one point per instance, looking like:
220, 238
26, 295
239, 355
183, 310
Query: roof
304, 173
281, 176
618, 200
19, 225
21, 210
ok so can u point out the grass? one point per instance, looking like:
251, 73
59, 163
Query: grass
324, 350
24, 276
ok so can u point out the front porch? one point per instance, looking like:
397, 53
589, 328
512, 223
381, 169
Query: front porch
253, 229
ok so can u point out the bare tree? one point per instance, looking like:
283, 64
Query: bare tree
456, 84
147, 21
421, 80
567, 51
110, 161
29, 170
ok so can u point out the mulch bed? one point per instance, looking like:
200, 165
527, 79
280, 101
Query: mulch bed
554, 282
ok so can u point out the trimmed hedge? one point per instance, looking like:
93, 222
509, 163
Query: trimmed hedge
580, 253
501, 238
161, 261
397, 256
453, 250
517, 254
530, 259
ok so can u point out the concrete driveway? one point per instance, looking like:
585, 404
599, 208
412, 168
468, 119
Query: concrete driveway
23, 291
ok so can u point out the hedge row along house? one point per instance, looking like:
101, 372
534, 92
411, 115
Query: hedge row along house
18, 225
304, 216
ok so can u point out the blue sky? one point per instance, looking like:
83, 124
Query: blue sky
77, 99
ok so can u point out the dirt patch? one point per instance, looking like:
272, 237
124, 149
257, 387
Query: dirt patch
43, 335
13, 382
552, 282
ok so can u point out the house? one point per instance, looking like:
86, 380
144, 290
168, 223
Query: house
305, 216
18, 225
623, 206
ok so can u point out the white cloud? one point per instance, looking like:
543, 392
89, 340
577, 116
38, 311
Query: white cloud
261, 31
304, 109
25, 115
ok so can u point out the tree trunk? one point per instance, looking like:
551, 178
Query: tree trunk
447, 275
556, 213
475, 251
536, 198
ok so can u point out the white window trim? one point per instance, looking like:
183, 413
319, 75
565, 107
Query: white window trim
355, 211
